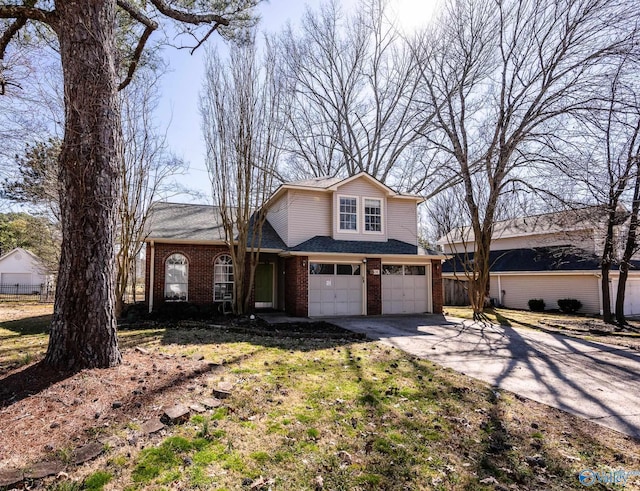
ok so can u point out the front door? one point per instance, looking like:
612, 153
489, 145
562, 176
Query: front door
264, 286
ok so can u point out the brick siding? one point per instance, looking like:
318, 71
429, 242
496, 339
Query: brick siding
374, 286
296, 286
437, 292
201, 260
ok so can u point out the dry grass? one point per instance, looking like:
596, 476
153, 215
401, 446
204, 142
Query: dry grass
352, 415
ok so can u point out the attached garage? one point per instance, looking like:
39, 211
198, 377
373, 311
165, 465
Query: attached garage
335, 289
631, 296
405, 289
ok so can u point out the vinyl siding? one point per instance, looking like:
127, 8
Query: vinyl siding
402, 220
519, 289
277, 217
583, 239
360, 188
309, 215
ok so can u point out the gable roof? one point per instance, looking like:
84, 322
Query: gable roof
331, 184
560, 221
183, 222
21, 250
536, 259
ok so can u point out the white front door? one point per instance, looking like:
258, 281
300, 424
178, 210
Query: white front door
335, 289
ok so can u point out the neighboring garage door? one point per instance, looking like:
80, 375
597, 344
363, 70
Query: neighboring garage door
335, 289
405, 289
631, 297
15, 279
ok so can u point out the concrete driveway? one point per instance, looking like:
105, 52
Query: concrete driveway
592, 380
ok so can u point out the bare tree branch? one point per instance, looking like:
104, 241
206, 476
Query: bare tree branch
188, 17
150, 26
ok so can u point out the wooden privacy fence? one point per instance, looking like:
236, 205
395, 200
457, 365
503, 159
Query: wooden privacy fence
43, 293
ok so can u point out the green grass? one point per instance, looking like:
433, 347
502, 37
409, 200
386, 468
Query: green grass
361, 415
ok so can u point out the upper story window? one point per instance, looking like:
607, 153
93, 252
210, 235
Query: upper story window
372, 215
348, 214
176, 278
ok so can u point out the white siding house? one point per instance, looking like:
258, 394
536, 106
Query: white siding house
22, 267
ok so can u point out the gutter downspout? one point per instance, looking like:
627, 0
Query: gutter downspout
152, 269
500, 291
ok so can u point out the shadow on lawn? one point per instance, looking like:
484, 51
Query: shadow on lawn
27, 326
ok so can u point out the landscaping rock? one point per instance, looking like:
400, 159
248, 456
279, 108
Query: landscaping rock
87, 452
116, 404
43, 469
9, 477
223, 390
198, 408
536, 461
176, 414
211, 402
151, 426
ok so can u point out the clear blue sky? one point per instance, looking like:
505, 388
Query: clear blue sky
180, 88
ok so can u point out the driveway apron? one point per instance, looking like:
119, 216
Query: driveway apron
589, 379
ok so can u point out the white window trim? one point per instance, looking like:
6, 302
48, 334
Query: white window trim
358, 214
166, 263
233, 271
364, 228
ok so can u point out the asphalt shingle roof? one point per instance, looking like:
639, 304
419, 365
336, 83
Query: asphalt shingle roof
181, 221
197, 223
321, 243
557, 258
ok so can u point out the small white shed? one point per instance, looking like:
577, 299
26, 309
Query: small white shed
22, 267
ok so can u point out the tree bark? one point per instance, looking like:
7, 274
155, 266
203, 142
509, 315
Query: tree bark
83, 329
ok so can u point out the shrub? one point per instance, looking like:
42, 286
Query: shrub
569, 305
536, 305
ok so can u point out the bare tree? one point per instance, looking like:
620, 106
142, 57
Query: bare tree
243, 129
502, 76
83, 328
354, 82
146, 173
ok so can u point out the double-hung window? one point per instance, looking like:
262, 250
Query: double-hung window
348, 214
372, 215
176, 278
223, 278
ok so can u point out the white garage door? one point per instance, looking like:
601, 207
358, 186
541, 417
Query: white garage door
15, 279
405, 289
631, 297
335, 289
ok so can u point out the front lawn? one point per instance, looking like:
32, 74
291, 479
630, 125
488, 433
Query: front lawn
303, 414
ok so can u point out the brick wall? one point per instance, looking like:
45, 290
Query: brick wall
374, 286
296, 286
201, 259
437, 292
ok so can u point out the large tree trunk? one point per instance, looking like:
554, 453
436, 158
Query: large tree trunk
607, 261
629, 248
83, 329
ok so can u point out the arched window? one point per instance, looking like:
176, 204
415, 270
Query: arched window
176, 278
223, 278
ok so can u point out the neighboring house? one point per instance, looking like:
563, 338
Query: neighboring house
330, 246
22, 267
550, 256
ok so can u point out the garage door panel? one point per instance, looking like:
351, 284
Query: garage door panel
405, 293
335, 294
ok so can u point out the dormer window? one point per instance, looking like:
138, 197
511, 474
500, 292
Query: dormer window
372, 215
348, 214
